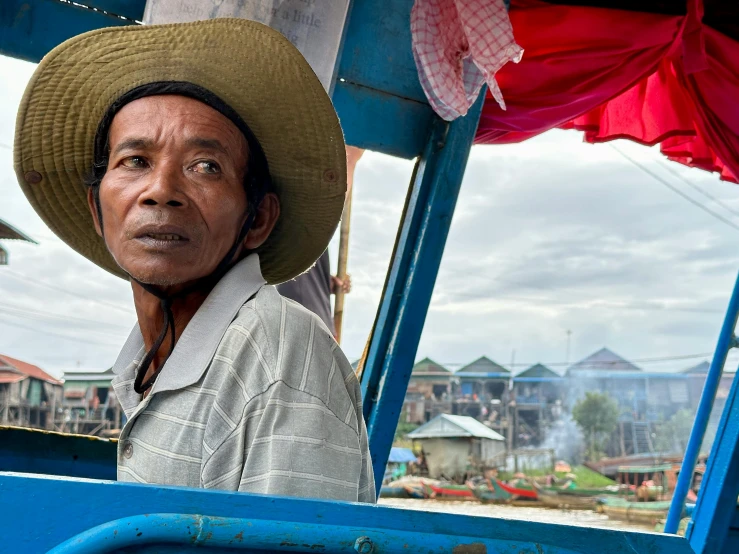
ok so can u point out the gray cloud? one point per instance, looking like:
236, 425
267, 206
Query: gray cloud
548, 236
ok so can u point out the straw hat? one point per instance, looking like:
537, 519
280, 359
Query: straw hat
253, 68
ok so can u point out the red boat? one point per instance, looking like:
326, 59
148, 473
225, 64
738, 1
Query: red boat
449, 491
522, 493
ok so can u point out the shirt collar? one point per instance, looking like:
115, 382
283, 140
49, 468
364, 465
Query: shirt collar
200, 339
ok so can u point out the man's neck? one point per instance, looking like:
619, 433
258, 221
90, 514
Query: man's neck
151, 318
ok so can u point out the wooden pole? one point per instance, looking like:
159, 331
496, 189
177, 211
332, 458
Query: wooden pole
352, 157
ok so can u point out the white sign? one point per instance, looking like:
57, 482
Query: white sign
313, 26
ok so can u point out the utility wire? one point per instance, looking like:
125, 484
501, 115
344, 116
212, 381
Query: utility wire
675, 189
52, 316
16, 325
669, 169
25, 278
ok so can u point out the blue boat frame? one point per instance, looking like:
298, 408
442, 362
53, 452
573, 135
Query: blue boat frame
382, 107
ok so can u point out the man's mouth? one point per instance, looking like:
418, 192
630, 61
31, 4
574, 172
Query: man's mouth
164, 236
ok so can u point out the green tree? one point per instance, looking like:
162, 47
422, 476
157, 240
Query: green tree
403, 428
672, 435
597, 416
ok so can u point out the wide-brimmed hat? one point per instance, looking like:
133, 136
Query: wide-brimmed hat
252, 68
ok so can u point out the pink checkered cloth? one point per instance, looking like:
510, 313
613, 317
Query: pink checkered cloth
458, 45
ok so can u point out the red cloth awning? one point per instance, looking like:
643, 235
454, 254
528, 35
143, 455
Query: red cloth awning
649, 77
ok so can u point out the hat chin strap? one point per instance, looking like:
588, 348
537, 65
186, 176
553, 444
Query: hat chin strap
141, 386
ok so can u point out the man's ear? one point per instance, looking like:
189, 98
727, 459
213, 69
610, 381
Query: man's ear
92, 204
267, 215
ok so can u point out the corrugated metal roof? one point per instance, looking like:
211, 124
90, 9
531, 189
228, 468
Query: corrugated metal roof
8, 232
88, 375
700, 368
450, 426
482, 365
538, 371
7, 377
603, 360
428, 366
27, 369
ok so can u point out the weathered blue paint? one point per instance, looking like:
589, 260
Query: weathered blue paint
377, 96
717, 499
410, 282
726, 341
34, 451
31, 28
382, 122
65, 508
130, 9
377, 51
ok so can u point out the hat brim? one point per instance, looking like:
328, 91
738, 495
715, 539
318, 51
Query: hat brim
250, 66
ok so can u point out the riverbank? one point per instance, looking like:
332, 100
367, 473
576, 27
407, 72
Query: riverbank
581, 518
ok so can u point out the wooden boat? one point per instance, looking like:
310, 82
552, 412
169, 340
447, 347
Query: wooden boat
393, 492
638, 512
493, 490
518, 492
568, 498
449, 491
567, 501
415, 490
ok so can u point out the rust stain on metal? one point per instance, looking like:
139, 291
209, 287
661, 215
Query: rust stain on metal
239, 536
472, 548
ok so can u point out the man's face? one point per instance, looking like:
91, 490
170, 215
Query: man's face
173, 198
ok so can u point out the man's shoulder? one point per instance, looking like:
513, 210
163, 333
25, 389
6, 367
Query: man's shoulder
294, 348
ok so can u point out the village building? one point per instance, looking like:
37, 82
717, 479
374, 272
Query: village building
537, 402
8, 232
29, 397
454, 447
483, 392
429, 392
90, 405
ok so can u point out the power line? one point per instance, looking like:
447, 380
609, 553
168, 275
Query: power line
15, 324
669, 169
25, 278
676, 190
26, 312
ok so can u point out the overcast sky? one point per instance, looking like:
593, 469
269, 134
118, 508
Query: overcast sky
549, 236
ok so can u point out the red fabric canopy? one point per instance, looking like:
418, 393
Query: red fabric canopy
611, 73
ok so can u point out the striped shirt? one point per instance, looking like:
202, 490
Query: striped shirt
256, 397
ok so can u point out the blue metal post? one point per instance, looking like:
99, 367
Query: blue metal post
413, 269
717, 502
726, 341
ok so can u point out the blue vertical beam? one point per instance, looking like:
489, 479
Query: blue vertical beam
726, 341
717, 501
414, 266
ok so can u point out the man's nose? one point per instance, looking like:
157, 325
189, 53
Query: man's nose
165, 186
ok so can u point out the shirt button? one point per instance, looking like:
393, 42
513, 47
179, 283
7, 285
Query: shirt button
128, 450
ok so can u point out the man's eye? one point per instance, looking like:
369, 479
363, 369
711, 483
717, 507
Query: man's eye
134, 162
209, 168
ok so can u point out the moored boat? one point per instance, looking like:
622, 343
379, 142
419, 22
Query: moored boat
639, 512
393, 492
567, 501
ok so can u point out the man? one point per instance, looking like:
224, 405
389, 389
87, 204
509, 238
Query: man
313, 290
217, 165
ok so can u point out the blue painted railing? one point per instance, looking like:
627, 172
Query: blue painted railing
83, 516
